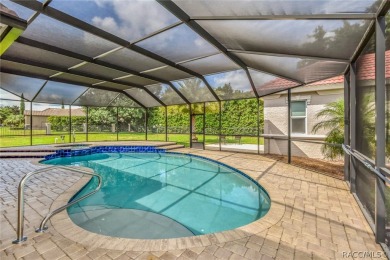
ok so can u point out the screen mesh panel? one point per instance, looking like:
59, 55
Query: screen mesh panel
8, 95
283, 7
26, 52
129, 21
67, 37
131, 60
266, 83
166, 94
19, 85
231, 85
194, 90
113, 85
327, 38
304, 70
97, 70
59, 93
168, 73
174, 44
123, 101
143, 97
136, 80
26, 69
365, 188
16, 10
77, 79
212, 64
96, 97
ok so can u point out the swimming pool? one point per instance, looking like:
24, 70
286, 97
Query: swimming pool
164, 195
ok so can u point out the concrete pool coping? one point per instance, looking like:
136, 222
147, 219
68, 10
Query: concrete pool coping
64, 226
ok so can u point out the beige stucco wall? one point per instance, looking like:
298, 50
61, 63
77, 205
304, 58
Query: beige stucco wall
276, 122
38, 121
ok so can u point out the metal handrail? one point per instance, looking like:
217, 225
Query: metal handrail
365, 162
20, 228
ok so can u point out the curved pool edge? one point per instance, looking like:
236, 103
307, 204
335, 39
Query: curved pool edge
65, 226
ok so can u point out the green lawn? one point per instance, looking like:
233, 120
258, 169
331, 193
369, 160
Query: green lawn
40, 138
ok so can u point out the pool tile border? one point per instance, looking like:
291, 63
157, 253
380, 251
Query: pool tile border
64, 225
104, 149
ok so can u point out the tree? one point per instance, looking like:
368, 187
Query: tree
6, 111
332, 116
14, 121
22, 105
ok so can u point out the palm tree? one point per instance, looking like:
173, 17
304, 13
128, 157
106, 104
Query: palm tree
333, 115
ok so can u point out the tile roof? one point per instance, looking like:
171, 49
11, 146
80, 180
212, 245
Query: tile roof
55, 112
366, 72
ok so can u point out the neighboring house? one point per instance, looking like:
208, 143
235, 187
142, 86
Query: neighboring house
306, 102
40, 118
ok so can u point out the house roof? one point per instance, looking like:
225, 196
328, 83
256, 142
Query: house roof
55, 112
366, 72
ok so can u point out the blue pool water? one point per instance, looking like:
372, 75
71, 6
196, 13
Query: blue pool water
152, 195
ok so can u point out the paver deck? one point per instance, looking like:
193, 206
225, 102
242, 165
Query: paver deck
312, 217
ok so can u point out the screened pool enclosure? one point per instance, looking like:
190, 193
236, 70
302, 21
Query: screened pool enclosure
216, 75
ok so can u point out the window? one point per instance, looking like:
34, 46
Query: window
298, 117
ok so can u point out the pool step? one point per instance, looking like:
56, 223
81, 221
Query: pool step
173, 146
23, 154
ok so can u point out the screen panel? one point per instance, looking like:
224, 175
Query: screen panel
231, 85
8, 95
67, 37
17, 50
20, 85
96, 97
129, 21
26, 69
211, 64
77, 79
143, 97
131, 60
281, 7
14, 123
365, 101
194, 90
133, 79
123, 101
304, 70
178, 44
59, 93
98, 70
266, 83
168, 73
113, 85
324, 38
50, 124
166, 94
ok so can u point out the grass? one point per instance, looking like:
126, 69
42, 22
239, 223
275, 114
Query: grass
22, 138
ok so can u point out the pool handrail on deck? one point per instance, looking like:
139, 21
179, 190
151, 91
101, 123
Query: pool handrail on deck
20, 225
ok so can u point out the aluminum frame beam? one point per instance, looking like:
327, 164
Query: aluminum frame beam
71, 72
281, 54
72, 21
380, 127
13, 21
10, 71
179, 13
